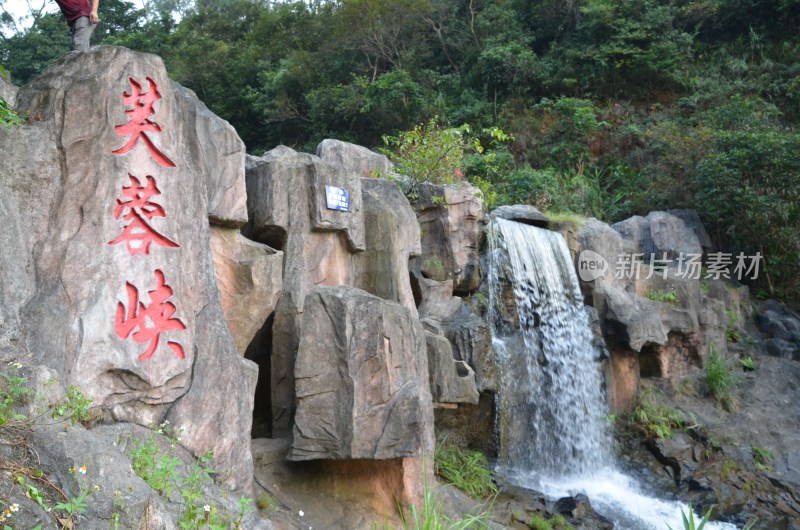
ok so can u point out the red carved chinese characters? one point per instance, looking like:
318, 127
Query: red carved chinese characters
137, 208
139, 124
137, 211
158, 314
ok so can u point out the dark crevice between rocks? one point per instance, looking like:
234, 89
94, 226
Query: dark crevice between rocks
272, 236
260, 352
415, 288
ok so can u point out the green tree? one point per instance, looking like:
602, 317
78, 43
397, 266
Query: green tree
27, 53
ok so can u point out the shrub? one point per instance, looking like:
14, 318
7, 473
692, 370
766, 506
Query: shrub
166, 473
466, 470
689, 522
655, 420
445, 155
720, 380
430, 517
762, 457
670, 297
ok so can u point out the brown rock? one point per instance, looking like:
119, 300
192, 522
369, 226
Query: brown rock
249, 279
451, 219
74, 281
392, 238
361, 379
451, 381
353, 158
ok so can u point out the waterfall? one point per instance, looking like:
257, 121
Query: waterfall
553, 419
552, 408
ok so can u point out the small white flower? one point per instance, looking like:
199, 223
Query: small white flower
207, 508
14, 507
82, 470
302, 513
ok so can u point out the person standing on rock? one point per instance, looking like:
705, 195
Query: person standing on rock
82, 19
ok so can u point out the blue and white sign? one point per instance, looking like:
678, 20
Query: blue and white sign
337, 198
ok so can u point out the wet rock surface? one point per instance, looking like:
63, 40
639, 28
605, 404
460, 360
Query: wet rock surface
745, 463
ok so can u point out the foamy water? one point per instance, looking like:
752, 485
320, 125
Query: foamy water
617, 497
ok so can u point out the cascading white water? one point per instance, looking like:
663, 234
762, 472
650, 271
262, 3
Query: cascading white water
554, 418
551, 414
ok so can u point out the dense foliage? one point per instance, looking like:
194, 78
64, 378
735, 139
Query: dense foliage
616, 107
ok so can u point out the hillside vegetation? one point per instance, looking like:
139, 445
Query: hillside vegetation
613, 107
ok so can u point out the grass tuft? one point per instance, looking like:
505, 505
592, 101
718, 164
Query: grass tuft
720, 380
466, 470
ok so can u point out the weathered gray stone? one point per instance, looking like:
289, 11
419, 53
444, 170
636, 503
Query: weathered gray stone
392, 238
782, 348
660, 233
522, 213
284, 185
451, 381
69, 210
218, 155
692, 220
353, 158
102, 451
30, 174
249, 278
361, 378
777, 321
268, 197
451, 219
323, 219
598, 237
8, 91
282, 195
634, 321
468, 334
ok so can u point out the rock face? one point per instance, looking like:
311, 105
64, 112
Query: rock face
522, 213
113, 286
657, 321
392, 239
249, 278
448, 315
361, 379
324, 247
451, 381
353, 158
692, 220
451, 219
660, 233
8, 91
781, 329
286, 201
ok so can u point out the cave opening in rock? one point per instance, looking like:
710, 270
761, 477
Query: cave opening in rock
650, 362
260, 352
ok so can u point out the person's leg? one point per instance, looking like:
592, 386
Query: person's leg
81, 33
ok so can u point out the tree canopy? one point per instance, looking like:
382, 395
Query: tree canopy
615, 107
